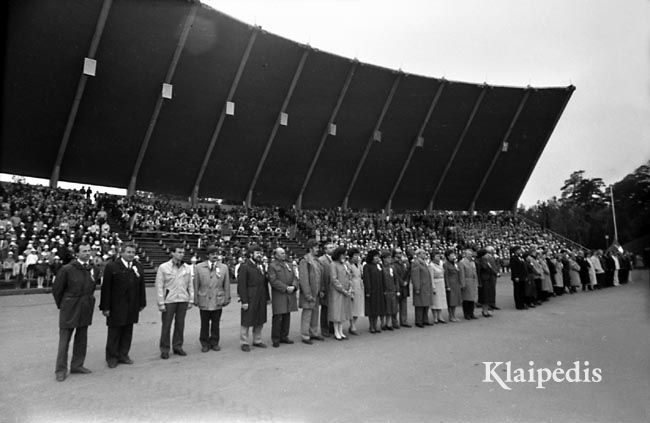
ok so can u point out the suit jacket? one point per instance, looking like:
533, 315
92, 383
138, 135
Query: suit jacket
253, 289
73, 293
422, 286
518, 270
281, 277
402, 277
211, 287
325, 262
310, 274
123, 293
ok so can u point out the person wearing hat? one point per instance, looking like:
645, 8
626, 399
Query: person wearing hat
211, 294
123, 297
73, 293
310, 278
326, 327
391, 292
253, 291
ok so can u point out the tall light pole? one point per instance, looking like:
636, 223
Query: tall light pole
611, 193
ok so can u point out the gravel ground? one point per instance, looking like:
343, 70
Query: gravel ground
411, 375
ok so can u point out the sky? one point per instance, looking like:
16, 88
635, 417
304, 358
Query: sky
601, 47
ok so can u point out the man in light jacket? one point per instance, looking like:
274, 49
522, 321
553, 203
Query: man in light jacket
211, 294
309, 272
175, 295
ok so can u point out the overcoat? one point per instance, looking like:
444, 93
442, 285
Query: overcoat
253, 289
391, 288
73, 293
340, 305
421, 281
402, 278
452, 282
281, 276
487, 274
468, 279
373, 285
123, 293
310, 274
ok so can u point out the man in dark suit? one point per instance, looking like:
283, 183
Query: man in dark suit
402, 277
519, 275
123, 298
73, 292
253, 290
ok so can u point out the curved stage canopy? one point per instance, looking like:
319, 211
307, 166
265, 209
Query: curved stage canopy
309, 127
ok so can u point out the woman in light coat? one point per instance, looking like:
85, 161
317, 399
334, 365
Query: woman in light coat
340, 293
437, 272
358, 306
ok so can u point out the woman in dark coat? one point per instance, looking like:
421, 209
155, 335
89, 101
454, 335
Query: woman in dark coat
373, 285
530, 290
452, 284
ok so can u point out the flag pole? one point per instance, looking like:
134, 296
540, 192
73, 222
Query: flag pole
611, 193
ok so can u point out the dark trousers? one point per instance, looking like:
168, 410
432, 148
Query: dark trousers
78, 348
280, 326
421, 315
468, 309
174, 312
539, 294
519, 289
600, 280
209, 335
118, 342
326, 327
372, 322
403, 310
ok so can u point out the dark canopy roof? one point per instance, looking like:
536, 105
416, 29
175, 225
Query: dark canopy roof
478, 143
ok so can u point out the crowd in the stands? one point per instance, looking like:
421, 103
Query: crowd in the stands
39, 226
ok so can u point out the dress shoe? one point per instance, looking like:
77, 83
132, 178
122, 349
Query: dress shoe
442, 321
286, 341
307, 341
486, 314
80, 370
494, 308
473, 317
112, 364
404, 325
373, 330
246, 348
389, 328
428, 324
353, 332
180, 352
326, 335
338, 338
126, 360
419, 325
317, 338
275, 344
531, 305
216, 348
205, 348
396, 327
260, 345
164, 355
60, 377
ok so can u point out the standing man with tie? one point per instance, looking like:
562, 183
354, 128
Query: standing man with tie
175, 293
326, 327
73, 293
253, 290
284, 284
123, 298
211, 294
